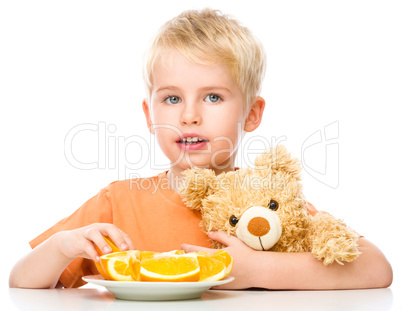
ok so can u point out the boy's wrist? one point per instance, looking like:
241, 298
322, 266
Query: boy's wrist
254, 269
57, 240
250, 269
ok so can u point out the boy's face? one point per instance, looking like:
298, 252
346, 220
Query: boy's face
201, 102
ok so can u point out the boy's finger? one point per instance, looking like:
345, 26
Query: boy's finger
130, 244
96, 237
221, 237
90, 250
118, 239
193, 248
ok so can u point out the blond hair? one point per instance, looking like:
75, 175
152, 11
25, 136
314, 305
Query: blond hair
208, 36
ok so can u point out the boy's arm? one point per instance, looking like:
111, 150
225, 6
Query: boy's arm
274, 270
42, 267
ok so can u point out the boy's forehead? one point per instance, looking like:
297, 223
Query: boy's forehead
173, 61
173, 68
169, 57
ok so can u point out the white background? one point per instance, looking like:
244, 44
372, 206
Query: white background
334, 64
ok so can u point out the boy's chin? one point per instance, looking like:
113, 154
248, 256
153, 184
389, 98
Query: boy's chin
191, 161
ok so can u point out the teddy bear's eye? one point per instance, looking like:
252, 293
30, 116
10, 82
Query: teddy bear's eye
273, 205
233, 220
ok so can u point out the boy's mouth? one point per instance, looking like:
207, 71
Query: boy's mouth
191, 141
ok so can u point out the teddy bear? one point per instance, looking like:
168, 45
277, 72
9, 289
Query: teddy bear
265, 208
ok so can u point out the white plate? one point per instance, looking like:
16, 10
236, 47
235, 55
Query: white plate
155, 290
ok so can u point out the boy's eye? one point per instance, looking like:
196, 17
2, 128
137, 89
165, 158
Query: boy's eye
212, 98
172, 100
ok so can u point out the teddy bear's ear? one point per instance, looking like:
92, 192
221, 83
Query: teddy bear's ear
276, 160
197, 184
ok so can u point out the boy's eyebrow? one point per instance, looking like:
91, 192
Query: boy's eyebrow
207, 88
167, 88
216, 88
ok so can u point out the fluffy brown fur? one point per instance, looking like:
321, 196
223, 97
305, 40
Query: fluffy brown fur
276, 176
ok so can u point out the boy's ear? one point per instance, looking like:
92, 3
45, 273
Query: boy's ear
254, 116
197, 184
145, 108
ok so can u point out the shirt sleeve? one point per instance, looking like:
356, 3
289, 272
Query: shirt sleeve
98, 209
311, 209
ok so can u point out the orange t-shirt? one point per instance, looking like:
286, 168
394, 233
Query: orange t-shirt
147, 209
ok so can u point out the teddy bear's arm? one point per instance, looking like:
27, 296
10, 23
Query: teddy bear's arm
331, 240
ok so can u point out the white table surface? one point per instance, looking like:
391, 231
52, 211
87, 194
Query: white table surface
98, 298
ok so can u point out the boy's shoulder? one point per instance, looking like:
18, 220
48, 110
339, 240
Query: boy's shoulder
142, 190
139, 184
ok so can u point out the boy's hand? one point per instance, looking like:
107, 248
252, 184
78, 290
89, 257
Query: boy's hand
81, 242
241, 258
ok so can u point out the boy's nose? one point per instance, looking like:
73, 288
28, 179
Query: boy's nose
190, 116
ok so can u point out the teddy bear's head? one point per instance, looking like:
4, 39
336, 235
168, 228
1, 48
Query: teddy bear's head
263, 206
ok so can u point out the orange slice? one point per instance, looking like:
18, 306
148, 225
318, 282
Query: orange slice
173, 268
216, 266
135, 269
171, 253
114, 249
149, 254
211, 269
226, 258
121, 266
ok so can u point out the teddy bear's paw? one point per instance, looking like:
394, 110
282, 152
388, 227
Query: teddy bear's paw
336, 251
332, 241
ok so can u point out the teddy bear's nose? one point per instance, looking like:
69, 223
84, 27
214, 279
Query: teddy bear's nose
258, 226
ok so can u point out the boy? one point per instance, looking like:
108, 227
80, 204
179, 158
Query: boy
203, 74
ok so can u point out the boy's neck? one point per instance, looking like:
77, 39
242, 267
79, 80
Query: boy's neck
175, 177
